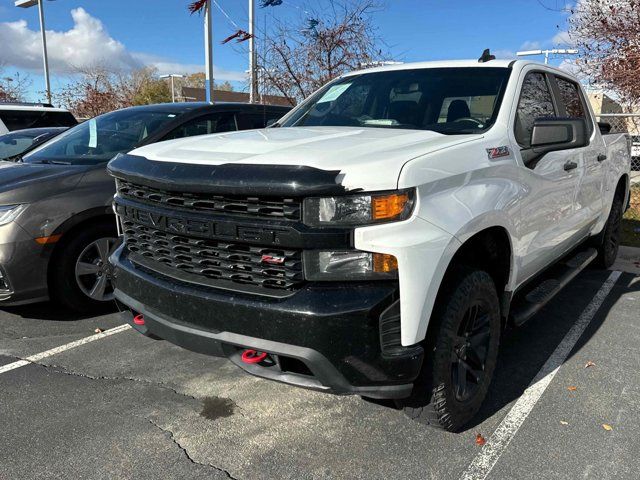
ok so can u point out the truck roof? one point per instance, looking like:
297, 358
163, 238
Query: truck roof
458, 64
30, 107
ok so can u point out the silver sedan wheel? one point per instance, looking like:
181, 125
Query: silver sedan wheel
93, 270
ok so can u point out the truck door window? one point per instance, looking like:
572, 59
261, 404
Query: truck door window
212, 123
570, 97
572, 100
535, 102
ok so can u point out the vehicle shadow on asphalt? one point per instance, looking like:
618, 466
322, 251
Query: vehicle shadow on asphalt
524, 350
54, 312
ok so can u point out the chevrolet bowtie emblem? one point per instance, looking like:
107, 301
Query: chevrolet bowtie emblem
272, 260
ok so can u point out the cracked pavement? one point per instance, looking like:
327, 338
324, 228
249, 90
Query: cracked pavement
130, 407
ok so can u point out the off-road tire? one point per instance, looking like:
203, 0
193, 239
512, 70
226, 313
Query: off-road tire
63, 286
608, 248
433, 400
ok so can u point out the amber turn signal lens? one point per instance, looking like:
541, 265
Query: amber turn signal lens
48, 240
389, 206
384, 263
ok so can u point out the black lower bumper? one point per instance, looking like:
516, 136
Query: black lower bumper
323, 337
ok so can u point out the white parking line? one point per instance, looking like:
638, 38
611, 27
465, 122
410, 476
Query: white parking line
83, 341
485, 460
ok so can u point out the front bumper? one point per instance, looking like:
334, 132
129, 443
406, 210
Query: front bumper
23, 265
323, 337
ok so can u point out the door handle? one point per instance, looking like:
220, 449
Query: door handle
602, 157
570, 166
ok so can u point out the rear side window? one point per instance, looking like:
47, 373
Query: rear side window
21, 119
535, 102
213, 123
571, 98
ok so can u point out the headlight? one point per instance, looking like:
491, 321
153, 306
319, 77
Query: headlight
353, 210
349, 265
8, 213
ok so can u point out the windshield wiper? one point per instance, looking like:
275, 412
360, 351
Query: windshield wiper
54, 162
14, 158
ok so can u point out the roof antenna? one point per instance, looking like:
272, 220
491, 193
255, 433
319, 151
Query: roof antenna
486, 56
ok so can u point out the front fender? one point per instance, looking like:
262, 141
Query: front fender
423, 251
488, 220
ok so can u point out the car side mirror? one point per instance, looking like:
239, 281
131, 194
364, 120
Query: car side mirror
555, 134
550, 135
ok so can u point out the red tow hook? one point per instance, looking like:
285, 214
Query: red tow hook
138, 319
253, 356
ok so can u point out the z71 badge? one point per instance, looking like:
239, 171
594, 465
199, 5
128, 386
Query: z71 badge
498, 152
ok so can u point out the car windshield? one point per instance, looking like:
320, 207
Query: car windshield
446, 100
101, 138
15, 143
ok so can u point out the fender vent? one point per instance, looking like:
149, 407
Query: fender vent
390, 330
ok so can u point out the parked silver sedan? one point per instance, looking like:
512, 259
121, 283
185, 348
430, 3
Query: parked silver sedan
57, 227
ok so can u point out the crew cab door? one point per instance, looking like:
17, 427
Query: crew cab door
593, 156
549, 220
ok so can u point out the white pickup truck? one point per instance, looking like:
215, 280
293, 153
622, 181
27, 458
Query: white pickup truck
378, 239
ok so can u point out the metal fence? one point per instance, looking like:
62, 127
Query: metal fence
626, 123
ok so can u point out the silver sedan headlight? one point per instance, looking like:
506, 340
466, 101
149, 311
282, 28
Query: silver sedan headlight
8, 213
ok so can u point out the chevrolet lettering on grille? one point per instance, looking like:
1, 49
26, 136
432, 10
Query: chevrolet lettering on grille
202, 228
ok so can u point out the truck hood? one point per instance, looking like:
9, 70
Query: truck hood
367, 158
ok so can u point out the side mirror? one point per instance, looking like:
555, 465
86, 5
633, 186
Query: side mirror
554, 134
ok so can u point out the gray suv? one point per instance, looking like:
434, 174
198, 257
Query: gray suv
57, 227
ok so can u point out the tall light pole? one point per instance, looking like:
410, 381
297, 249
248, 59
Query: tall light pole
253, 74
208, 50
45, 58
173, 90
546, 53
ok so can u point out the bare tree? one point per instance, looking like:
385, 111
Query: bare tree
97, 89
321, 44
13, 88
198, 79
607, 33
327, 39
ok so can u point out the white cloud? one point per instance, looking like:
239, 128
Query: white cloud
166, 66
563, 39
504, 54
86, 43
530, 45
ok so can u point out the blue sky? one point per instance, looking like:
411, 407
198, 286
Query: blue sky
163, 33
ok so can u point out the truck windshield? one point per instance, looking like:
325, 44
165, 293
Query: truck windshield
101, 138
446, 100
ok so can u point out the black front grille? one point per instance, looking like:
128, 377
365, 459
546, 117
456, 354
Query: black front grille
267, 267
261, 207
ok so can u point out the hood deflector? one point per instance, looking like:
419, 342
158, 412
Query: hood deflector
229, 179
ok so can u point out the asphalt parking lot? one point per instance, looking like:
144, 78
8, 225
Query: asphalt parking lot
124, 406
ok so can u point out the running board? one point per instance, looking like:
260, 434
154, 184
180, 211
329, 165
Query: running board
540, 293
